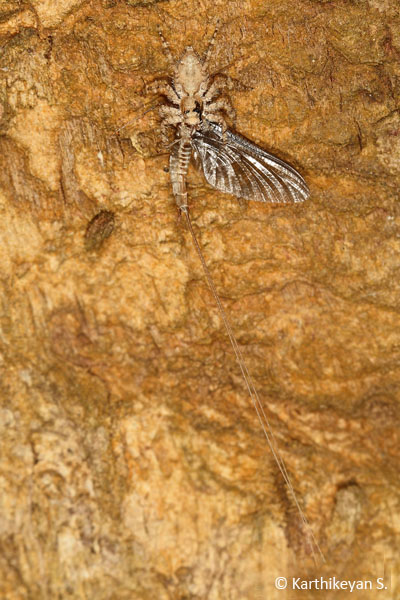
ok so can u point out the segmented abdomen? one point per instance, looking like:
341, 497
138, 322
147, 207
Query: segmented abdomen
178, 165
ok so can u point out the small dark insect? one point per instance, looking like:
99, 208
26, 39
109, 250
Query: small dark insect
231, 164
99, 229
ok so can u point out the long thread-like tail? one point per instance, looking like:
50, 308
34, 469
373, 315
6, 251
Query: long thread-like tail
262, 417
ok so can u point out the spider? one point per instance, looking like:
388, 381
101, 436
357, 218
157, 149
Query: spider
192, 93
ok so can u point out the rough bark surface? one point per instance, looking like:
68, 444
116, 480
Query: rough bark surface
132, 463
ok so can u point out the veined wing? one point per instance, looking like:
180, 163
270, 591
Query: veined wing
236, 166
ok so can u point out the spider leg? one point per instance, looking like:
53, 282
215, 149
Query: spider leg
219, 119
221, 104
211, 92
208, 52
219, 82
168, 112
160, 86
167, 49
169, 119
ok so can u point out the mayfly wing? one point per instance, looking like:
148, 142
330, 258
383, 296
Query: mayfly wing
234, 165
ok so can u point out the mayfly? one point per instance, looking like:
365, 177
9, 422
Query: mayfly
231, 164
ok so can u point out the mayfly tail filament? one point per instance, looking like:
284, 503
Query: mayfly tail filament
262, 417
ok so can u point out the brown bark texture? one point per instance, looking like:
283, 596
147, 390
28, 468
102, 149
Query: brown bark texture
132, 464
